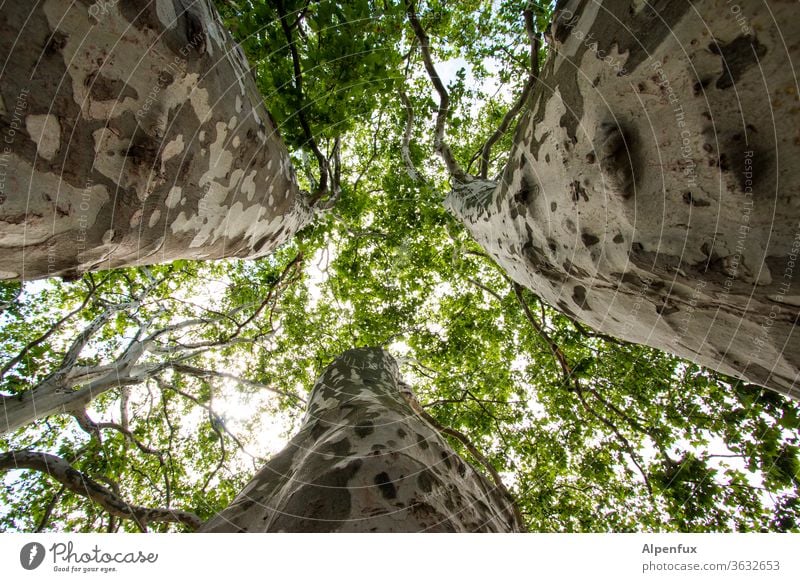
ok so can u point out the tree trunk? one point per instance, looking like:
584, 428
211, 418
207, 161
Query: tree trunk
133, 133
652, 190
365, 461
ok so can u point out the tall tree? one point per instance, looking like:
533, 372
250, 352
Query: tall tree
367, 459
133, 133
590, 433
651, 191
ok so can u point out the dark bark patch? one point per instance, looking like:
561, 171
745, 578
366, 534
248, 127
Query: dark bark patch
102, 88
618, 238
689, 198
579, 297
386, 486
699, 87
338, 449
364, 429
527, 192
425, 482
589, 239
574, 270
56, 43
553, 206
578, 192
317, 430
737, 56
401, 433
320, 506
667, 308
614, 144
260, 243
194, 33
563, 306
446, 458
422, 442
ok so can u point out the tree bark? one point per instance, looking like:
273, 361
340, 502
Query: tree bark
133, 133
652, 189
365, 461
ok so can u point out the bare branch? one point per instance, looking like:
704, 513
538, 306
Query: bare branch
301, 116
405, 147
48, 511
79, 483
92, 427
439, 144
24, 352
521, 101
202, 373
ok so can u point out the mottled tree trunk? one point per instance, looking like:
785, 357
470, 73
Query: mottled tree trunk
133, 133
652, 191
365, 461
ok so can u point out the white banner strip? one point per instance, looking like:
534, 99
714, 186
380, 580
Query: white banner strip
396, 557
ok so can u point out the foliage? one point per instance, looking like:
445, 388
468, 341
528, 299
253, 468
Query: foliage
591, 434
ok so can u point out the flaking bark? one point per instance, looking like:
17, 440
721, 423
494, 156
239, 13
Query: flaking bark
133, 133
652, 189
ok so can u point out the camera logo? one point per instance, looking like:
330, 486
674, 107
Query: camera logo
31, 555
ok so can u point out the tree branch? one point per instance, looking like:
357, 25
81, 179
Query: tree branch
21, 355
301, 116
405, 147
79, 483
521, 100
92, 427
439, 144
203, 373
48, 511
574, 384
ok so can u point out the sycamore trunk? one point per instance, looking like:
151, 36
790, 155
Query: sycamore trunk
365, 461
133, 133
652, 189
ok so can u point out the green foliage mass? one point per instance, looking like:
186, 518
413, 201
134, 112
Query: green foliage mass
634, 440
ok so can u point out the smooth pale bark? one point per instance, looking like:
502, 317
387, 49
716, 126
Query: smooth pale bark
133, 133
365, 461
652, 190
